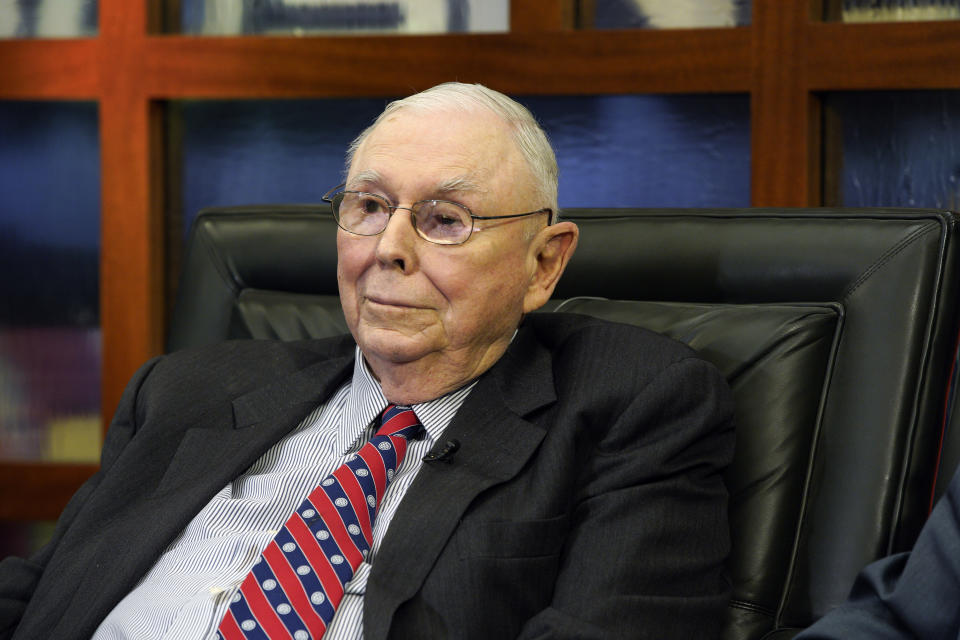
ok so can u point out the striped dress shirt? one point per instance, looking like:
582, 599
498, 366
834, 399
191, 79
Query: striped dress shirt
186, 593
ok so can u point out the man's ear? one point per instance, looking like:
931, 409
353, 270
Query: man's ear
550, 251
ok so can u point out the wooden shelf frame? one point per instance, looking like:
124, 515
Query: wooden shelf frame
784, 61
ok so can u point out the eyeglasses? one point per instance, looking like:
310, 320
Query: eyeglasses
437, 221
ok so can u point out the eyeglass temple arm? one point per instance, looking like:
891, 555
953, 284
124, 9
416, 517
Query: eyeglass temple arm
513, 215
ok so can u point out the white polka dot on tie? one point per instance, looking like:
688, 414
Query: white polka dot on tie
303, 569
384, 446
288, 547
389, 474
341, 502
248, 625
363, 473
309, 513
354, 529
236, 597
269, 585
283, 608
300, 634
371, 501
328, 482
317, 597
336, 559
323, 534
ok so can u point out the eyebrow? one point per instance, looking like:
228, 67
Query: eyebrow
367, 176
457, 184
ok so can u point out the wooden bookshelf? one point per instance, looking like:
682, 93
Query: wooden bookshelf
784, 60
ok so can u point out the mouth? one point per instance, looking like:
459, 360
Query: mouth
388, 302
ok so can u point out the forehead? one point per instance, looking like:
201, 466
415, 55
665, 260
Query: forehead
427, 149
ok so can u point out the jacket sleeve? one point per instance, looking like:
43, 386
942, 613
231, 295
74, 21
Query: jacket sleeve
645, 556
908, 595
18, 576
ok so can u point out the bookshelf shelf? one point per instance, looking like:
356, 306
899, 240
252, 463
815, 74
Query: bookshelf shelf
891, 55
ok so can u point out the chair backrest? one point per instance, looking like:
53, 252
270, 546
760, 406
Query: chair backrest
836, 329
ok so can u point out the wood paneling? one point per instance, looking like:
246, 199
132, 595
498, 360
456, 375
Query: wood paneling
34, 491
710, 60
128, 20
541, 15
49, 69
131, 263
909, 55
784, 115
132, 253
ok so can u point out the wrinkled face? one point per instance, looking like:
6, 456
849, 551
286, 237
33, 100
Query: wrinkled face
406, 299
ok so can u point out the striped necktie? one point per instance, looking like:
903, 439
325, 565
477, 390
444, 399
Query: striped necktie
297, 582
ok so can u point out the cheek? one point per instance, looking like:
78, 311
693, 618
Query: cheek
485, 293
353, 256
343, 284
350, 267
347, 289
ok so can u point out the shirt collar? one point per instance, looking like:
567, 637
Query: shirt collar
366, 401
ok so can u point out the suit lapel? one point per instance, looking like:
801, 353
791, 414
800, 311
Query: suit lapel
495, 443
208, 457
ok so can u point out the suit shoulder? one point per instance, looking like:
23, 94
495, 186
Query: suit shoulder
572, 332
236, 365
613, 362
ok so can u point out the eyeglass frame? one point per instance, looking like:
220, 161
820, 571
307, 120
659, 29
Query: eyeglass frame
332, 193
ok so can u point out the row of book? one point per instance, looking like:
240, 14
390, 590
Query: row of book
900, 10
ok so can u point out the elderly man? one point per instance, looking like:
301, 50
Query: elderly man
456, 468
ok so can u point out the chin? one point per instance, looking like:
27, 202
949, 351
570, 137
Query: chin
393, 346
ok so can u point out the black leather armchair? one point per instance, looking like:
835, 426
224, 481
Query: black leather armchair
837, 330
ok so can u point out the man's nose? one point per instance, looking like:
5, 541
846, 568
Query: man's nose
397, 242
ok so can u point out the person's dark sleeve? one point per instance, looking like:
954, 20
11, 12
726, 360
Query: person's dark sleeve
645, 557
19, 576
908, 595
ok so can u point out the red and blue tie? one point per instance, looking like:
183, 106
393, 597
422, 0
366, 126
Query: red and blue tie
297, 582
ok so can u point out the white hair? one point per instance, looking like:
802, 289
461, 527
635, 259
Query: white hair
526, 132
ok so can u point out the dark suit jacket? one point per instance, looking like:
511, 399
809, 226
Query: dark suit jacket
585, 501
908, 595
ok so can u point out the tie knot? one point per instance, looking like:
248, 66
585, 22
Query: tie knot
401, 421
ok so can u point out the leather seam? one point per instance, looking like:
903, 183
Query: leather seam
790, 578
220, 264
888, 256
752, 607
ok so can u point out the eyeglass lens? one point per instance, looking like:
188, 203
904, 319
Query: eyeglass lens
436, 220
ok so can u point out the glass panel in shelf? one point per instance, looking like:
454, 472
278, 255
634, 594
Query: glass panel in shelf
891, 10
49, 293
649, 150
320, 17
893, 149
613, 151
664, 14
48, 18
